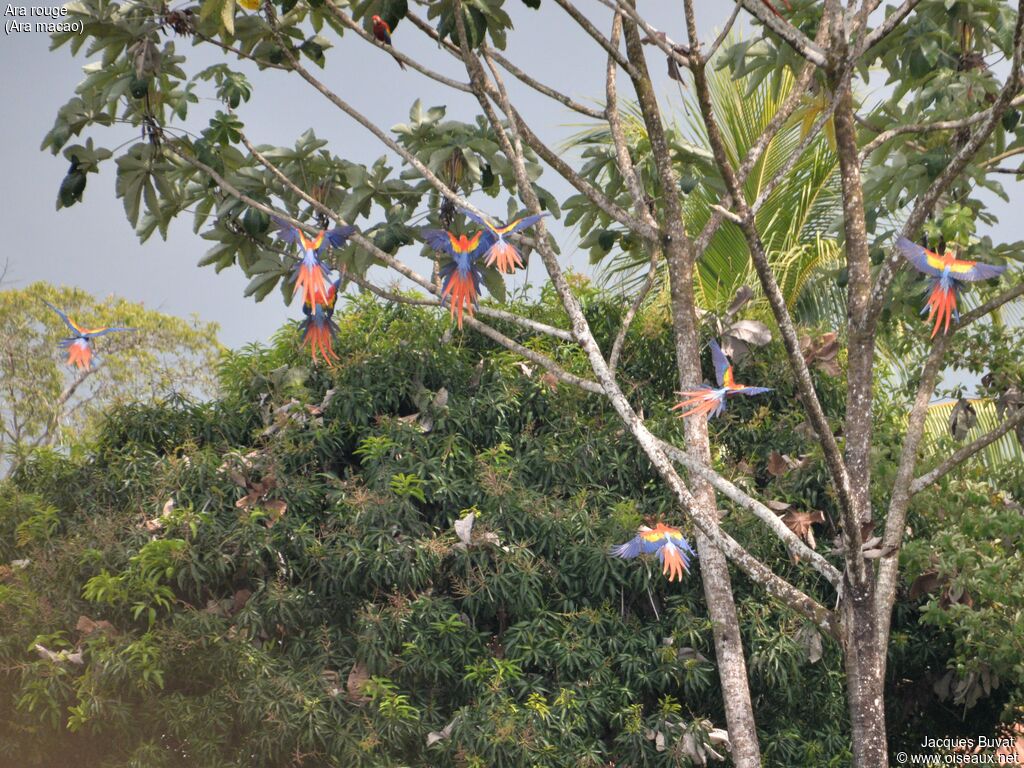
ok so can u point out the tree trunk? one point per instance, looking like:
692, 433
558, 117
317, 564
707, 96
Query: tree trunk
732, 667
679, 257
865, 685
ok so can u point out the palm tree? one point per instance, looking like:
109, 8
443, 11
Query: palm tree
797, 220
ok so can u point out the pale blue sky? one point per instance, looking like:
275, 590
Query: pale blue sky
92, 246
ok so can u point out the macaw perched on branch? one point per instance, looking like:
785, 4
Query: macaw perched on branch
310, 273
949, 273
673, 550
461, 286
502, 253
382, 31
79, 346
708, 401
319, 328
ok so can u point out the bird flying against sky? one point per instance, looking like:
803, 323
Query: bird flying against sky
672, 549
948, 273
502, 253
79, 346
382, 31
709, 401
462, 276
311, 281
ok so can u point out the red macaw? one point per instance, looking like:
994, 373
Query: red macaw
319, 328
461, 275
709, 401
79, 346
310, 273
502, 253
948, 273
673, 549
382, 31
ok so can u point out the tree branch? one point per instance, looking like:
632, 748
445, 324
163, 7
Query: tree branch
760, 573
967, 452
538, 86
796, 39
350, 23
795, 546
891, 22
805, 385
591, 30
628, 171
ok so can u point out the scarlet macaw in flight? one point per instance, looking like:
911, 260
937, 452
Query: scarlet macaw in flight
382, 31
673, 550
949, 273
79, 346
461, 286
708, 401
310, 273
319, 328
502, 253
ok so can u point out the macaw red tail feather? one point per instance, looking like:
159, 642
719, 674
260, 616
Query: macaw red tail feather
311, 285
505, 257
701, 400
320, 338
672, 563
80, 355
941, 306
461, 292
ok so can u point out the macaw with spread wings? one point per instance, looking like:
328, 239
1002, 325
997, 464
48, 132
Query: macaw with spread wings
461, 275
79, 346
311, 273
319, 329
502, 253
948, 273
672, 549
709, 401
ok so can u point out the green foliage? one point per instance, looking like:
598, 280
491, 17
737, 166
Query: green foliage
42, 401
353, 624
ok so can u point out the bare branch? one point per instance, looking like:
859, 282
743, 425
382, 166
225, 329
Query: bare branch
991, 305
941, 125
967, 452
891, 22
723, 34
794, 544
896, 519
603, 41
628, 172
350, 23
538, 86
796, 39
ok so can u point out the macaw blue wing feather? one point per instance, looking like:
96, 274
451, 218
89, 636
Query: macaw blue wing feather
285, 231
67, 320
720, 360
751, 391
520, 224
338, 236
